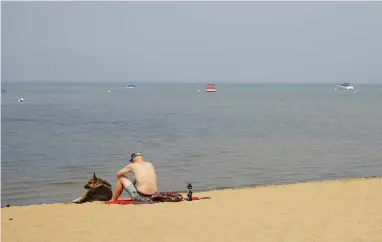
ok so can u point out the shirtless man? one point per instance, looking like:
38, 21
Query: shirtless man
145, 183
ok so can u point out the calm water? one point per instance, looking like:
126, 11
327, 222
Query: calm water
241, 135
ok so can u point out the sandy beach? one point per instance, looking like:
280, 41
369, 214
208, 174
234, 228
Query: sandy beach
340, 210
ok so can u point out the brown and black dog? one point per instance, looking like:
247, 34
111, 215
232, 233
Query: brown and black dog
97, 190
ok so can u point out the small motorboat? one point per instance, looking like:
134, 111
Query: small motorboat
210, 88
131, 86
345, 86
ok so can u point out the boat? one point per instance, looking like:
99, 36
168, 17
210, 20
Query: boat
210, 88
131, 86
345, 86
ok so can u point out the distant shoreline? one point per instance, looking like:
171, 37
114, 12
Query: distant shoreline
182, 82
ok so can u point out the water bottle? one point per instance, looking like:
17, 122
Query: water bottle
189, 194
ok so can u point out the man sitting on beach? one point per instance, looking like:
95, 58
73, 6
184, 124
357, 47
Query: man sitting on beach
145, 183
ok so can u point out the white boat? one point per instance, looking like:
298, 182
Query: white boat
20, 100
210, 88
345, 86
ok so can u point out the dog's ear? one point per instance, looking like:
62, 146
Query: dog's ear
94, 175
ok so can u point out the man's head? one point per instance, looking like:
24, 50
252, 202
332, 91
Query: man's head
135, 157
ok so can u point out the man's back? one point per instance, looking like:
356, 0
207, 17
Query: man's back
145, 176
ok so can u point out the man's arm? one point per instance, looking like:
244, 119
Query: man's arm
124, 170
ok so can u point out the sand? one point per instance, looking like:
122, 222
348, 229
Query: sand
345, 210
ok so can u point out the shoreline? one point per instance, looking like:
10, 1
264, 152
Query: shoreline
343, 179
286, 184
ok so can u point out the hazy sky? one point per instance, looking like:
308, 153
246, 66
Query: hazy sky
192, 41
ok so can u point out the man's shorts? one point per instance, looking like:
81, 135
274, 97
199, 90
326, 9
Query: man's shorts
137, 196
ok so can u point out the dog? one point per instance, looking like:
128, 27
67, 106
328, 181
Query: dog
97, 190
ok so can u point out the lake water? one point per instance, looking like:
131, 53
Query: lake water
242, 135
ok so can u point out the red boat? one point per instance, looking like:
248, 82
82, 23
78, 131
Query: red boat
210, 88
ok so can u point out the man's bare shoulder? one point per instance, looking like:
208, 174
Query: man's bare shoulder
131, 165
149, 163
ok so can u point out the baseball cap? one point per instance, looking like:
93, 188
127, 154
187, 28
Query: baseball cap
133, 155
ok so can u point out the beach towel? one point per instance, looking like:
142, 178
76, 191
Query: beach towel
167, 197
129, 201
157, 198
